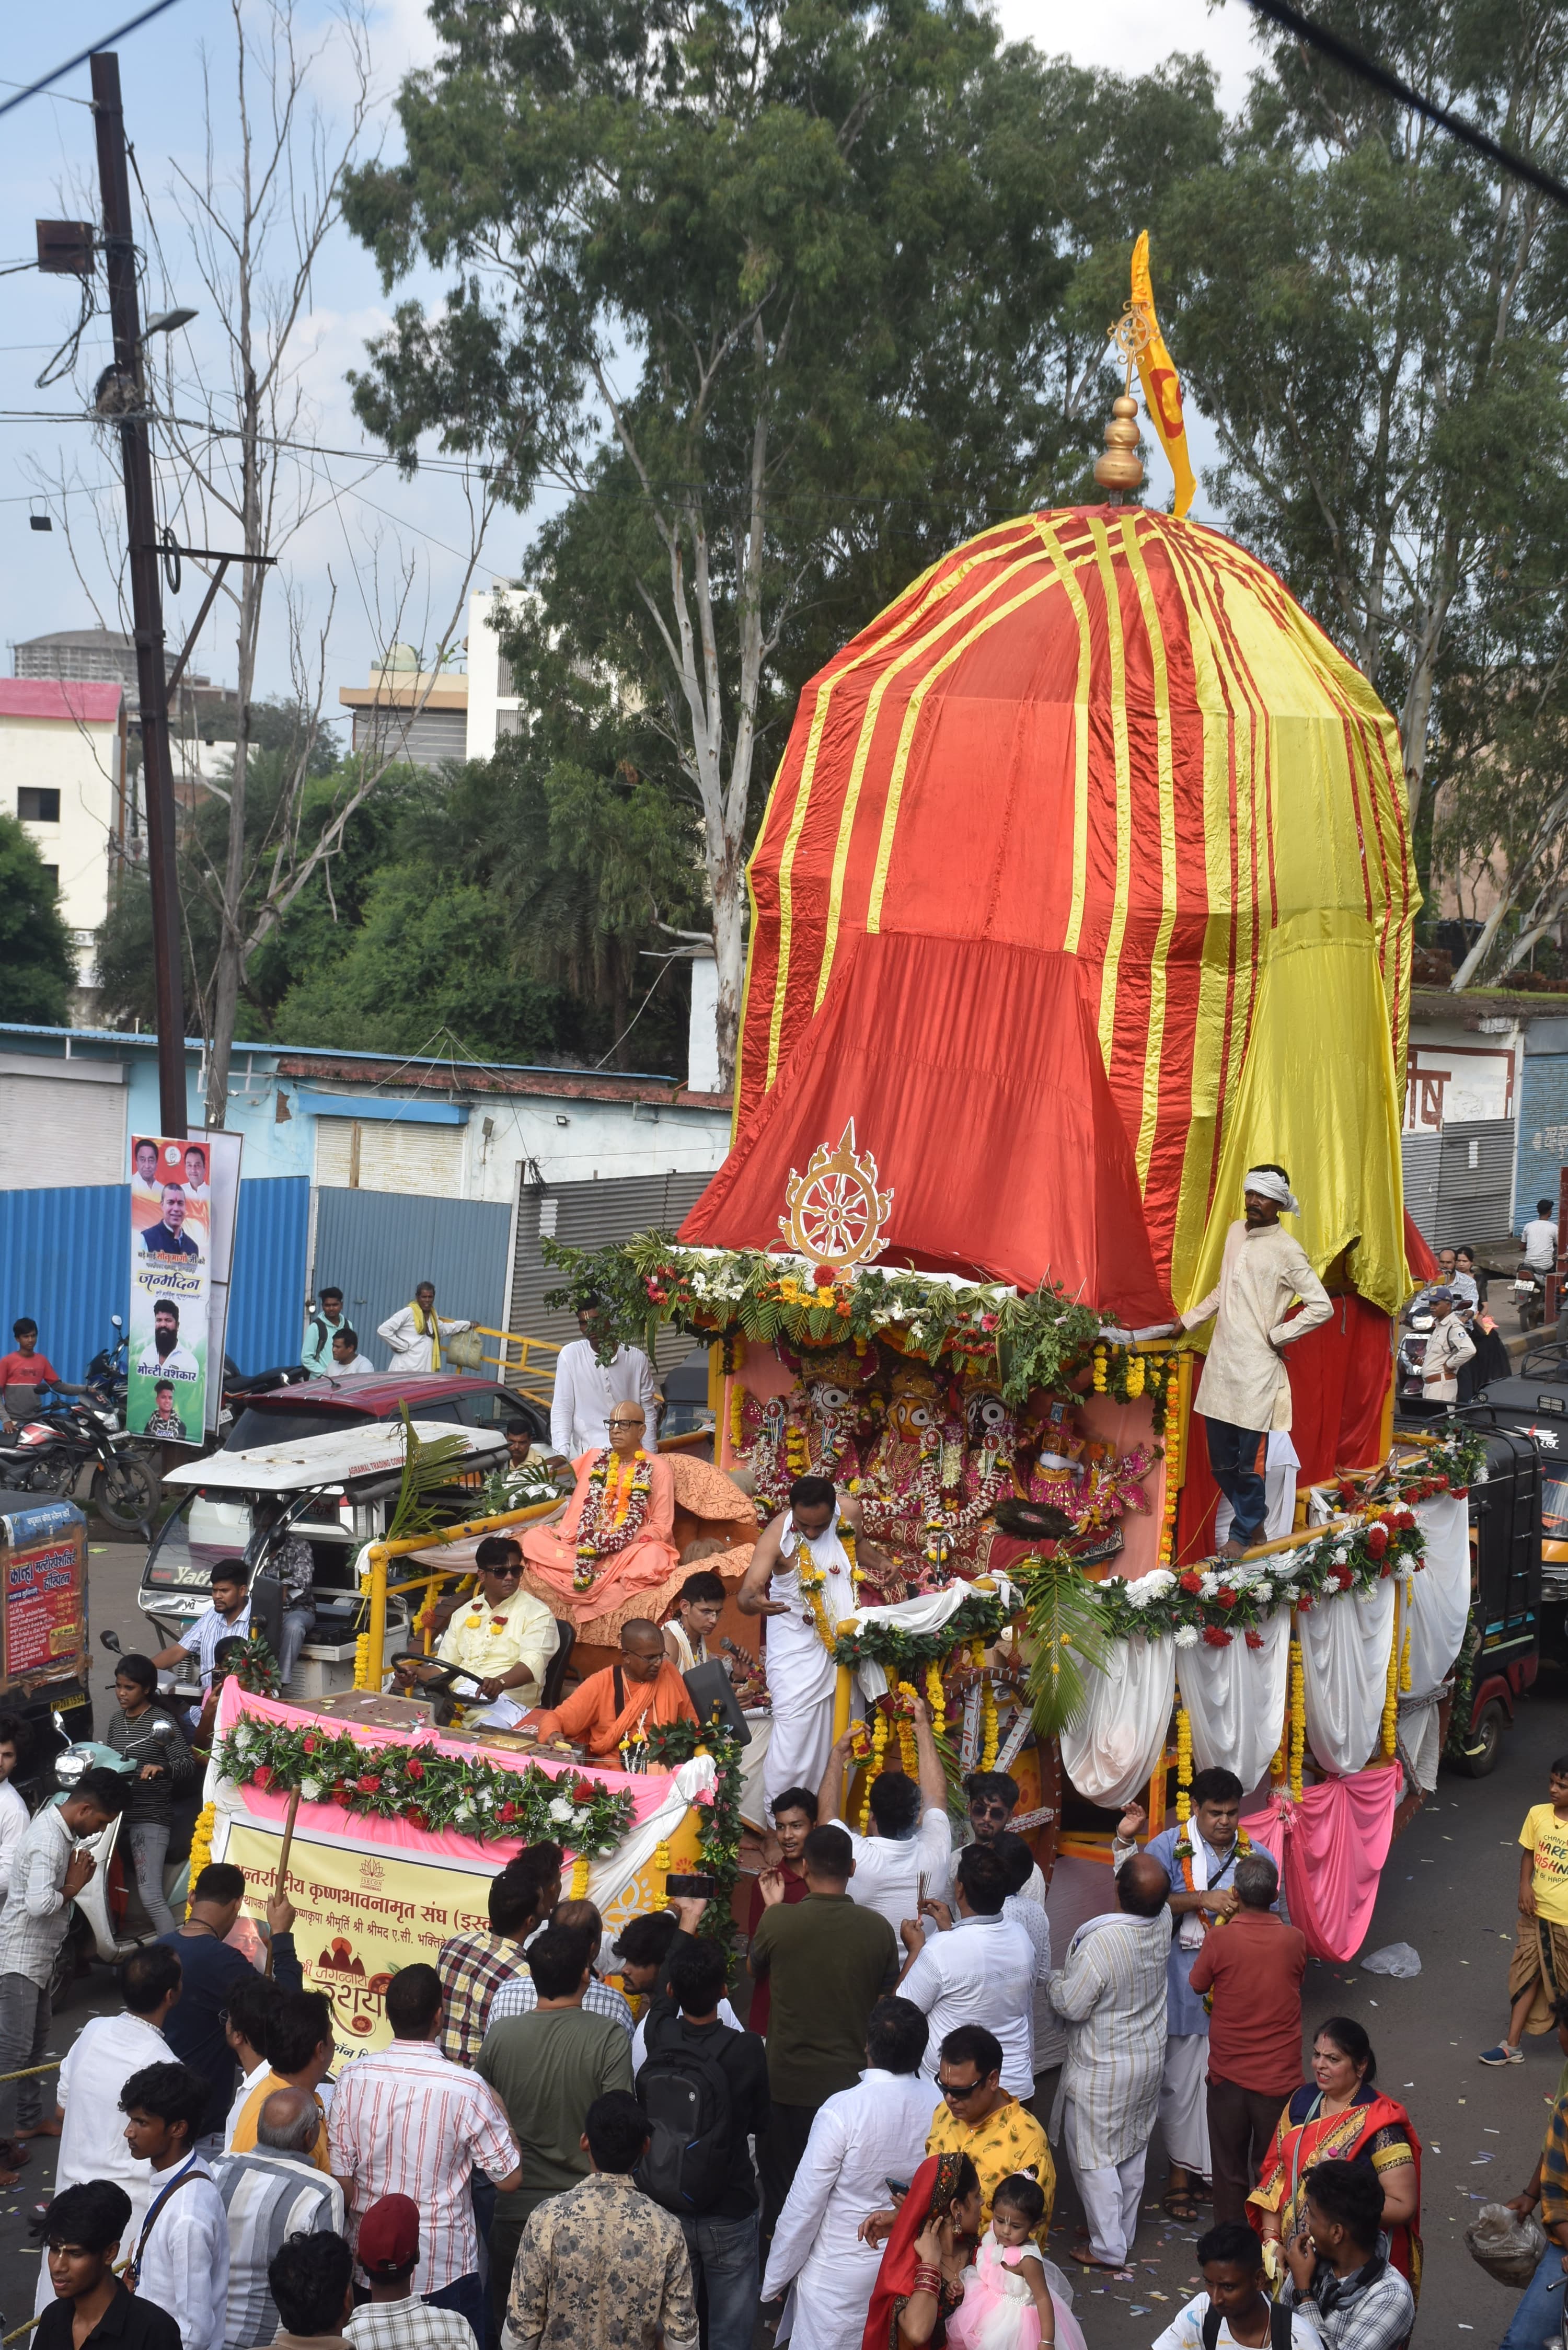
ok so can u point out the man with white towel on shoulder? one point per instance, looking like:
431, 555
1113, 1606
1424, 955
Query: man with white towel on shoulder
799, 1555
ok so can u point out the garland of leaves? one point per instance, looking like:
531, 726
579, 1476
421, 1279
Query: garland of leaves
980, 1617
1215, 1601
629, 1288
428, 1789
671, 1743
1453, 1459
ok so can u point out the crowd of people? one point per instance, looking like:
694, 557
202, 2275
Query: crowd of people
576, 2138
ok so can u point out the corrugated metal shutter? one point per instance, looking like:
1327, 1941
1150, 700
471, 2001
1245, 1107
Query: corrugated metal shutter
592, 1215
427, 739
1421, 1155
373, 1154
54, 1126
1475, 1183
267, 1297
378, 1247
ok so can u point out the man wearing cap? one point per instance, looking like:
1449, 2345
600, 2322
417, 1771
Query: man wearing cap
394, 2318
1449, 1345
1245, 1392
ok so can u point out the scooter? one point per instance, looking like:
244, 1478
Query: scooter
49, 1453
1530, 1298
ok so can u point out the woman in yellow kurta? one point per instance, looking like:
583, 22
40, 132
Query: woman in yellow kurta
614, 1538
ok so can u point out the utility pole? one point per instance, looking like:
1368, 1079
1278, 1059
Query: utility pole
146, 599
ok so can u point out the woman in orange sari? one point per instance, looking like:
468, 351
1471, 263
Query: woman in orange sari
933, 2240
1340, 2116
613, 1538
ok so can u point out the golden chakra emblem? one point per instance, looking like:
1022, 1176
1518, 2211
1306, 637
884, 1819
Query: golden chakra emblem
837, 1214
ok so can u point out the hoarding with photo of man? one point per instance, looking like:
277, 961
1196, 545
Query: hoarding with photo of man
170, 1288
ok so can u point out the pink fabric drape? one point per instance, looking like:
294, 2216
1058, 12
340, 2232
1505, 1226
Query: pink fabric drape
488, 1855
1330, 1849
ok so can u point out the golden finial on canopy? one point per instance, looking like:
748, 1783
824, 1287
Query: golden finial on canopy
1121, 468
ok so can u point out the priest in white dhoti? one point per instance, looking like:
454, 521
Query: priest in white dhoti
860, 2139
802, 1578
414, 1333
586, 1391
1199, 1865
1110, 1994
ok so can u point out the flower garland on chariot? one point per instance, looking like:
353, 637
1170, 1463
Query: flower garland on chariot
812, 1579
614, 1510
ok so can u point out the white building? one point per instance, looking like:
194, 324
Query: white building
495, 708
62, 772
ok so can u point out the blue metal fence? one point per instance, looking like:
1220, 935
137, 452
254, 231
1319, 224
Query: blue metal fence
65, 1259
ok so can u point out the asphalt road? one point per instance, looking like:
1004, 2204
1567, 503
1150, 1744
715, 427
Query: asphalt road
1449, 1889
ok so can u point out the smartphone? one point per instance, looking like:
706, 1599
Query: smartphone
896, 2187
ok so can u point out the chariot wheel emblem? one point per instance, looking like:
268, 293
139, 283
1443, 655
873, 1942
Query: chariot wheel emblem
836, 1215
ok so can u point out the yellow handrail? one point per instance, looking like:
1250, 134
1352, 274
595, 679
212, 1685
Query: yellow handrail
369, 1661
536, 1381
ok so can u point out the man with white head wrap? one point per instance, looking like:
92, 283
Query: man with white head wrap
1245, 1392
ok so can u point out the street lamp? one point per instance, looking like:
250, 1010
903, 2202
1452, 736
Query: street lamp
167, 322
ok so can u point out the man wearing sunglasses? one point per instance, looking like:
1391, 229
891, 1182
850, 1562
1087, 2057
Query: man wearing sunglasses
992, 1798
500, 1633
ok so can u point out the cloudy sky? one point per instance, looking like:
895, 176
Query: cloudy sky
390, 552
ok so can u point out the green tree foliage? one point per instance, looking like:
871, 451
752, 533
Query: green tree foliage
37, 968
1375, 319
786, 297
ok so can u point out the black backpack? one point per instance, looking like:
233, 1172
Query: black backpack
683, 2091
1279, 2327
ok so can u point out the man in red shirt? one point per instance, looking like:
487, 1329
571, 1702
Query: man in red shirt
795, 1816
1253, 1964
25, 1367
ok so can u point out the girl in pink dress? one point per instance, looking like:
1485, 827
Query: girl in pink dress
1013, 2299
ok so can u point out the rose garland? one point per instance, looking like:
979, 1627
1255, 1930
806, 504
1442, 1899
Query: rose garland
428, 1789
1214, 1602
670, 1743
613, 1514
1452, 1459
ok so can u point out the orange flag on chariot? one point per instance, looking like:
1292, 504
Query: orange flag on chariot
1161, 384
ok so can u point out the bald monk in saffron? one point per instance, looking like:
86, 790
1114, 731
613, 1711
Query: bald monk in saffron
625, 1700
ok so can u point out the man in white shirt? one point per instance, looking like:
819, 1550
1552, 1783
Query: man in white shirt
907, 1849
251, 2006
586, 1390
180, 2260
860, 2138
414, 1333
105, 2053
977, 1969
348, 1362
1539, 1238
1245, 1390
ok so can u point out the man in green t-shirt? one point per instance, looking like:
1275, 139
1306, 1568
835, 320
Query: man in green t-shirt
547, 2067
829, 1962
1538, 1972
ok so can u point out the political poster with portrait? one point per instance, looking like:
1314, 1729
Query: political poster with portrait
171, 1195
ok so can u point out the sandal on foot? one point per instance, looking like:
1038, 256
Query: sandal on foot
1181, 2204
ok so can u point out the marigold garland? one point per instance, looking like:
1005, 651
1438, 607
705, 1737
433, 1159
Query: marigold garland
201, 1846
988, 1726
427, 1788
737, 1416
1183, 1766
579, 1883
670, 1743
1391, 1690
614, 1508
1298, 1718
907, 1693
936, 1698
1166, 1545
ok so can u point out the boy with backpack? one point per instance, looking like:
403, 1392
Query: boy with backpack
1235, 2308
704, 2089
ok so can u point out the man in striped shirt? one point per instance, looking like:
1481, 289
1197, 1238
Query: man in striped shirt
271, 2192
473, 1967
521, 1996
406, 2121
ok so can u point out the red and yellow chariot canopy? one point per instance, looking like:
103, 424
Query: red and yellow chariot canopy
1084, 884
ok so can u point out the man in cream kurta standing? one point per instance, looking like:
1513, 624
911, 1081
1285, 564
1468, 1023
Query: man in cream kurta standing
414, 1333
802, 1675
1245, 1392
586, 1391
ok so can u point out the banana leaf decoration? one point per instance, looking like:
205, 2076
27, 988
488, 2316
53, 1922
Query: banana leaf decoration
427, 1470
1066, 1630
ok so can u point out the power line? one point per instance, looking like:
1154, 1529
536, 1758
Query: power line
1356, 61
81, 56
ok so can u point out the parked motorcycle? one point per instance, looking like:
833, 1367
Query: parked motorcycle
48, 1454
107, 1380
1530, 1298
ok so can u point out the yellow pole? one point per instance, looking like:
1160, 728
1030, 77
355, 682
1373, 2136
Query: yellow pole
375, 1650
842, 1696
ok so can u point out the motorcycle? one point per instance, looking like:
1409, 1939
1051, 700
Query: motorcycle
1530, 1298
1410, 1374
107, 1381
48, 1454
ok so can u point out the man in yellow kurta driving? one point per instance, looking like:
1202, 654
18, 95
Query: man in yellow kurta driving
500, 1633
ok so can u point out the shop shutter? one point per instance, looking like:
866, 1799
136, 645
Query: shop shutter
369, 1154
591, 1215
60, 1131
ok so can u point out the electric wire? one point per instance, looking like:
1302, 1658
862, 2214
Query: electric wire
33, 89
